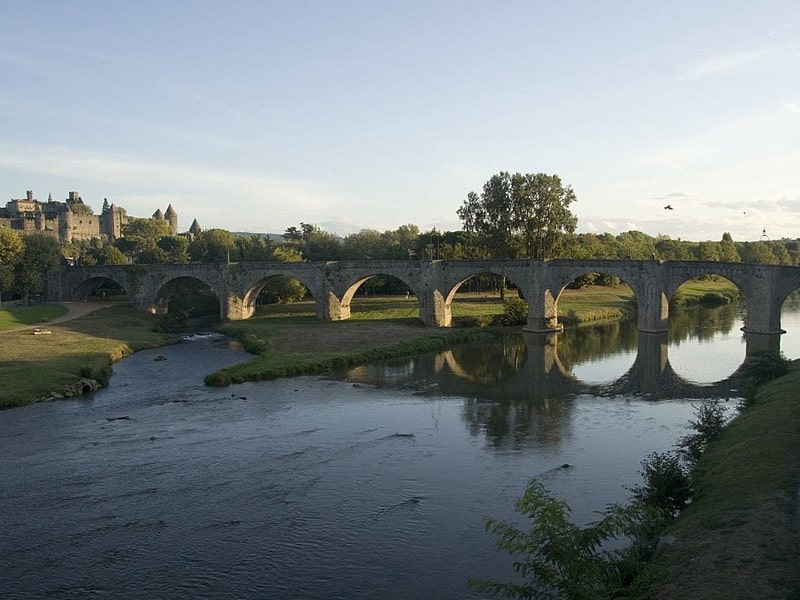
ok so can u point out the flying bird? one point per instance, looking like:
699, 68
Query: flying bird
668, 207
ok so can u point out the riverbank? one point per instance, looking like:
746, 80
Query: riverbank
290, 346
740, 537
288, 339
33, 366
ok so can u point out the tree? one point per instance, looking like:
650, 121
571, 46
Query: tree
11, 247
318, 244
212, 245
521, 215
140, 240
40, 253
175, 248
727, 249
255, 248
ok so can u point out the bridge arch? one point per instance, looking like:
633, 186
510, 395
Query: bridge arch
351, 288
561, 279
251, 294
85, 287
160, 303
450, 297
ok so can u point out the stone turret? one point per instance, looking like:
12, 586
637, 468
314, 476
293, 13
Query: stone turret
158, 215
172, 218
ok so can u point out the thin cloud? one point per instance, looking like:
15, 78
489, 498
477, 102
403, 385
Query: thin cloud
187, 180
745, 61
792, 106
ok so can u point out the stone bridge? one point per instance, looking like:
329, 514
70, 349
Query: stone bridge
435, 283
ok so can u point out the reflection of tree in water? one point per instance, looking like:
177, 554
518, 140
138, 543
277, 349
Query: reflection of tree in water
521, 398
519, 422
488, 364
594, 342
702, 322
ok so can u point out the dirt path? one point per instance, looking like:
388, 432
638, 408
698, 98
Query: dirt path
74, 310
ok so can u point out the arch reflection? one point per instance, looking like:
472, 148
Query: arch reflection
519, 390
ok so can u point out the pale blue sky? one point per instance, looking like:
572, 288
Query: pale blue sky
255, 116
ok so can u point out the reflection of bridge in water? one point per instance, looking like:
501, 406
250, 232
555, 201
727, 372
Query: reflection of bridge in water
534, 372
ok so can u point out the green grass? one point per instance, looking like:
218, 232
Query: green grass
717, 290
739, 538
17, 316
296, 343
596, 303
32, 366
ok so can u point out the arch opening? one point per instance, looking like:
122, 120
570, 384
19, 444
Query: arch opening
279, 295
102, 289
381, 296
706, 317
790, 322
186, 303
593, 297
487, 298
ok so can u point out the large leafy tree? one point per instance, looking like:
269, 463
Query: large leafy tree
521, 215
40, 253
213, 245
140, 240
10, 250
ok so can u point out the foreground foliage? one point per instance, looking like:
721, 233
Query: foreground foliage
557, 559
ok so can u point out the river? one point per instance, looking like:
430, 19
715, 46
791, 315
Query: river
368, 483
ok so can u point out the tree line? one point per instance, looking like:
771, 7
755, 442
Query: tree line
514, 216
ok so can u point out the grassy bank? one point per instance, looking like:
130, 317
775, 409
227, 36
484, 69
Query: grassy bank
18, 316
740, 538
32, 366
296, 345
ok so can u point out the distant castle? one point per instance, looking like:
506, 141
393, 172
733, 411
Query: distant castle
72, 220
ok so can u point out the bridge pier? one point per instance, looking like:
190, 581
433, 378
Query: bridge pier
542, 313
653, 309
233, 308
764, 303
434, 310
331, 308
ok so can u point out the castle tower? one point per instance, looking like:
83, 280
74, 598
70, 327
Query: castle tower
172, 218
65, 223
158, 215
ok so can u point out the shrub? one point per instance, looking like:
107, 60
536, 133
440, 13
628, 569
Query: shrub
709, 423
558, 559
763, 366
666, 484
217, 379
100, 374
515, 312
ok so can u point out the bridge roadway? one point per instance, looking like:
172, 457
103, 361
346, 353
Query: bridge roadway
435, 283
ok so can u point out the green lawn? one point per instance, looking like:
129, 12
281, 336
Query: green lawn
15, 316
32, 366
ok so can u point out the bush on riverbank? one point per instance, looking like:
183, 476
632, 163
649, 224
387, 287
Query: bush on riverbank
733, 508
739, 536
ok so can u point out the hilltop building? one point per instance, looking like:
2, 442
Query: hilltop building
73, 221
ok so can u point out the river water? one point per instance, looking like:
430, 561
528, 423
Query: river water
368, 483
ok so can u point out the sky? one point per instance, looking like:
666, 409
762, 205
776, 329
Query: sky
259, 115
